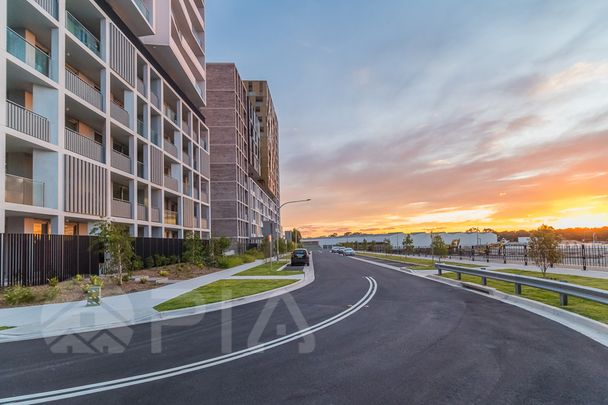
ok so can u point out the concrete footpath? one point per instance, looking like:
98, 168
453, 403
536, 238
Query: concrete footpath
42, 321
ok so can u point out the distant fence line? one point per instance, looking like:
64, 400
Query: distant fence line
29, 260
583, 255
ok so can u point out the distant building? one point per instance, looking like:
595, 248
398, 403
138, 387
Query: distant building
420, 239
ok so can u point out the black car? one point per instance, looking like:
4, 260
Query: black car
300, 257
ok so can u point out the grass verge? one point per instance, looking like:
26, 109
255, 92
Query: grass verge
266, 270
415, 263
221, 290
6, 327
587, 308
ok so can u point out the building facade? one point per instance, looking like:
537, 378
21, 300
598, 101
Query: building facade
102, 116
240, 205
261, 100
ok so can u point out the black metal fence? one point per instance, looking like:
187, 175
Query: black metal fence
28, 260
583, 255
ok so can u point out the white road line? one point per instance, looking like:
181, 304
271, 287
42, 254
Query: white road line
188, 368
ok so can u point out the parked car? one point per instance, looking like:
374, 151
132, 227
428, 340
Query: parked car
348, 252
338, 249
300, 257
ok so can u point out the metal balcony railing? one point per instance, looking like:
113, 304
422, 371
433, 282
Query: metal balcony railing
142, 213
170, 148
141, 170
140, 128
26, 121
28, 53
119, 114
141, 88
154, 99
170, 217
171, 183
121, 208
83, 145
50, 6
84, 35
154, 136
172, 115
83, 89
21, 190
155, 214
121, 161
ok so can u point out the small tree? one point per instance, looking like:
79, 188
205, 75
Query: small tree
544, 247
388, 248
439, 248
220, 245
194, 251
408, 244
117, 245
364, 246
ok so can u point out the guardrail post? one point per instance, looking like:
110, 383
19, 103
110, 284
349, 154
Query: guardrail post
458, 276
484, 280
517, 288
563, 299
438, 270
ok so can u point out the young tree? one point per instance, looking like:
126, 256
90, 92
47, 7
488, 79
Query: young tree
194, 251
117, 245
439, 247
364, 244
387, 247
544, 247
408, 244
220, 245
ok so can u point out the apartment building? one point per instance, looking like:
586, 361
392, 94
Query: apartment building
239, 205
102, 116
261, 100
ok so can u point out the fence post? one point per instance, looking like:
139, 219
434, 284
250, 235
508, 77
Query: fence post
487, 254
525, 255
504, 254
460, 252
584, 256
472, 253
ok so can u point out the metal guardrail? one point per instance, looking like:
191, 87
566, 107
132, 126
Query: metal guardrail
564, 289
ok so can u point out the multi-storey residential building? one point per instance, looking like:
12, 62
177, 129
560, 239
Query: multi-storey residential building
239, 205
261, 99
101, 116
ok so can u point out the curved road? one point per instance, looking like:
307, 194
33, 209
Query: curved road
393, 339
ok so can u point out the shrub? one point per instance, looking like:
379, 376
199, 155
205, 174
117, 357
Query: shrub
172, 259
51, 293
149, 262
85, 288
143, 280
160, 260
163, 273
137, 263
226, 262
19, 295
78, 278
194, 250
53, 281
125, 278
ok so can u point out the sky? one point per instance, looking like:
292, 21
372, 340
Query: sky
408, 115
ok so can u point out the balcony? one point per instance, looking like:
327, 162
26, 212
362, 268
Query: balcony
170, 217
83, 145
21, 190
28, 53
26, 121
83, 90
185, 128
171, 183
140, 128
154, 100
186, 159
155, 214
141, 170
204, 223
121, 208
154, 136
119, 114
50, 6
142, 213
83, 35
170, 114
141, 88
144, 10
121, 161
170, 148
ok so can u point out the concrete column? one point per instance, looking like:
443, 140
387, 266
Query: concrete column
3, 10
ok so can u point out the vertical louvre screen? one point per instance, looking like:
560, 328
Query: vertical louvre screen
85, 187
122, 55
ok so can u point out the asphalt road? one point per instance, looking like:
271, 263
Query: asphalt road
415, 341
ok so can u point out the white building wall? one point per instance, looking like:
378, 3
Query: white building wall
420, 239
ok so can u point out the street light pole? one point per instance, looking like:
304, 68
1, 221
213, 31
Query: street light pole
281, 206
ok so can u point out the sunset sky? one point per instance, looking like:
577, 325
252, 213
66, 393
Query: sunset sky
407, 116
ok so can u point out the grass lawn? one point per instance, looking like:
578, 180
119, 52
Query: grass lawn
587, 308
415, 263
221, 290
265, 270
5, 327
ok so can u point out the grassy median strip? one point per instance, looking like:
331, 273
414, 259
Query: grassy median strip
6, 327
580, 306
267, 269
415, 263
221, 290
